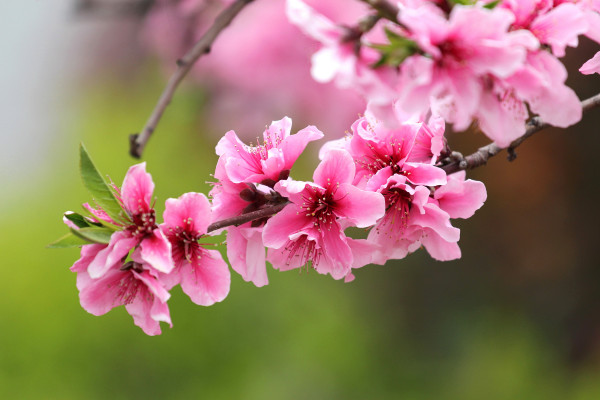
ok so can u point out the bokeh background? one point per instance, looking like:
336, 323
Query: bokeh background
518, 317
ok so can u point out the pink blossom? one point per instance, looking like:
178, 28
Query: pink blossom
202, 273
591, 66
415, 217
473, 45
140, 230
337, 59
380, 152
132, 285
558, 26
269, 161
309, 230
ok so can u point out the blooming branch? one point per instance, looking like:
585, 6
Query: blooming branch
138, 141
251, 216
483, 154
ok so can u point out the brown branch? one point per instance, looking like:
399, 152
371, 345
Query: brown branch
251, 216
481, 156
138, 141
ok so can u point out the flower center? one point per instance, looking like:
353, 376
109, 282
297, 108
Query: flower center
301, 251
143, 223
320, 205
398, 204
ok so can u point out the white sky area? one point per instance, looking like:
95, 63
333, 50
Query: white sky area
41, 43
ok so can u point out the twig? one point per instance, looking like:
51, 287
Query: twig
138, 141
251, 216
481, 156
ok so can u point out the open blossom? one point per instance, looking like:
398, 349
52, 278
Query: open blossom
202, 273
140, 230
415, 217
131, 284
246, 176
555, 25
338, 59
309, 229
268, 161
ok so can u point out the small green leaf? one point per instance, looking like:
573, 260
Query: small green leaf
69, 240
396, 51
94, 235
80, 221
492, 5
98, 187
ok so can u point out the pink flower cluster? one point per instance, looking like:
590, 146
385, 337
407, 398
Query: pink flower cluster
379, 179
492, 62
143, 260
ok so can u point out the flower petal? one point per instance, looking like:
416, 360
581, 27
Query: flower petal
206, 279
137, 189
190, 211
156, 252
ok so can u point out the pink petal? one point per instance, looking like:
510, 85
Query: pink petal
103, 294
120, 244
336, 168
460, 198
591, 66
294, 145
190, 211
438, 248
337, 256
240, 165
363, 208
156, 252
206, 280
246, 254
137, 189
437, 220
379, 181
288, 221
424, 174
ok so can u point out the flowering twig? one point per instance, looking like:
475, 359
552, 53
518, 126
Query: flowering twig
184, 64
483, 154
247, 217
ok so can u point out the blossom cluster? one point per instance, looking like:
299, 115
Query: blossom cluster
492, 62
382, 180
380, 193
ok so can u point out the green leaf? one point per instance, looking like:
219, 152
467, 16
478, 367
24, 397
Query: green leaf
80, 221
492, 5
93, 235
98, 187
396, 51
69, 240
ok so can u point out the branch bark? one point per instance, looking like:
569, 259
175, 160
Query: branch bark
481, 156
251, 216
138, 141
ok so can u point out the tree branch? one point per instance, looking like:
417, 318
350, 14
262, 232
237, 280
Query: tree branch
251, 216
138, 141
481, 156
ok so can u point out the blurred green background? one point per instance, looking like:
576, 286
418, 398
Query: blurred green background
518, 317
